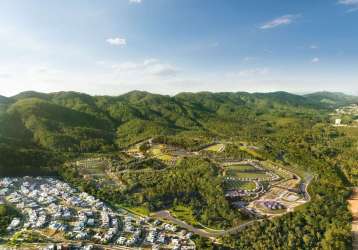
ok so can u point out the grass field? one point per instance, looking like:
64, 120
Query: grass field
142, 211
185, 214
158, 151
165, 157
215, 148
239, 171
247, 185
241, 168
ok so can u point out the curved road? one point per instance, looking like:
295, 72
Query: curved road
164, 214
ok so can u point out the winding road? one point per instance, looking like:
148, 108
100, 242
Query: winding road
211, 233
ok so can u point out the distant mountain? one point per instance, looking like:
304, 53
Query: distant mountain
31, 94
72, 122
77, 122
332, 99
4, 99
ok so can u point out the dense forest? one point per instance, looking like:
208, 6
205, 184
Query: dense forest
39, 132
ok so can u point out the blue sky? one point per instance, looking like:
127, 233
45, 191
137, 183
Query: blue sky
170, 46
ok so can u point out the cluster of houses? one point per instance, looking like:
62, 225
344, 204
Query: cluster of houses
348, 110
237, 196
237, 193
70, 247
47, 203
273, 205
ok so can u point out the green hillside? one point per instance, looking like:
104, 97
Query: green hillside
71, 122
332, 99
39, 132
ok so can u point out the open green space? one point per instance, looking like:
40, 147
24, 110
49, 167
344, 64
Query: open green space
241, 168
215, 147
158, 151
247, 185
138, 210
185, 214
40, 131
244, 171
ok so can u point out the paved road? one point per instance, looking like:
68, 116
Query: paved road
217, 233
202, 232
304, 187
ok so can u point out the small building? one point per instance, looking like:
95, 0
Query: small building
338, 122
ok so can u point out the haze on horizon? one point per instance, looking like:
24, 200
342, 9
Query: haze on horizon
167, 47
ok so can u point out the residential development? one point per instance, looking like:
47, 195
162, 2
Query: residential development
55, 209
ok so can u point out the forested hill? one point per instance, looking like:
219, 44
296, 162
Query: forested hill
332, 99
40, 131
70, 121
49, 125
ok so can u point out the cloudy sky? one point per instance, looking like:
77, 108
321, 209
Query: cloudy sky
169, 46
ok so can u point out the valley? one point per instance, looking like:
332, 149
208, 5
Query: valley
222, 169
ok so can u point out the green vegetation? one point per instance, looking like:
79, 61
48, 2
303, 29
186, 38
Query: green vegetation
141, 211
333, 99
193, 182
185, 213
215, 147
6, 215
244, 171
38, 132
242, 168
247, 185
22, 237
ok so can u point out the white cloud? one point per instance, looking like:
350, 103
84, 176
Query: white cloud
353, 4
313, 46
5, 73
280, 21
135, 1
250, 73
249, 59
348, 2
150, 61
117, 41
148, 68
315, 60
162, 70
